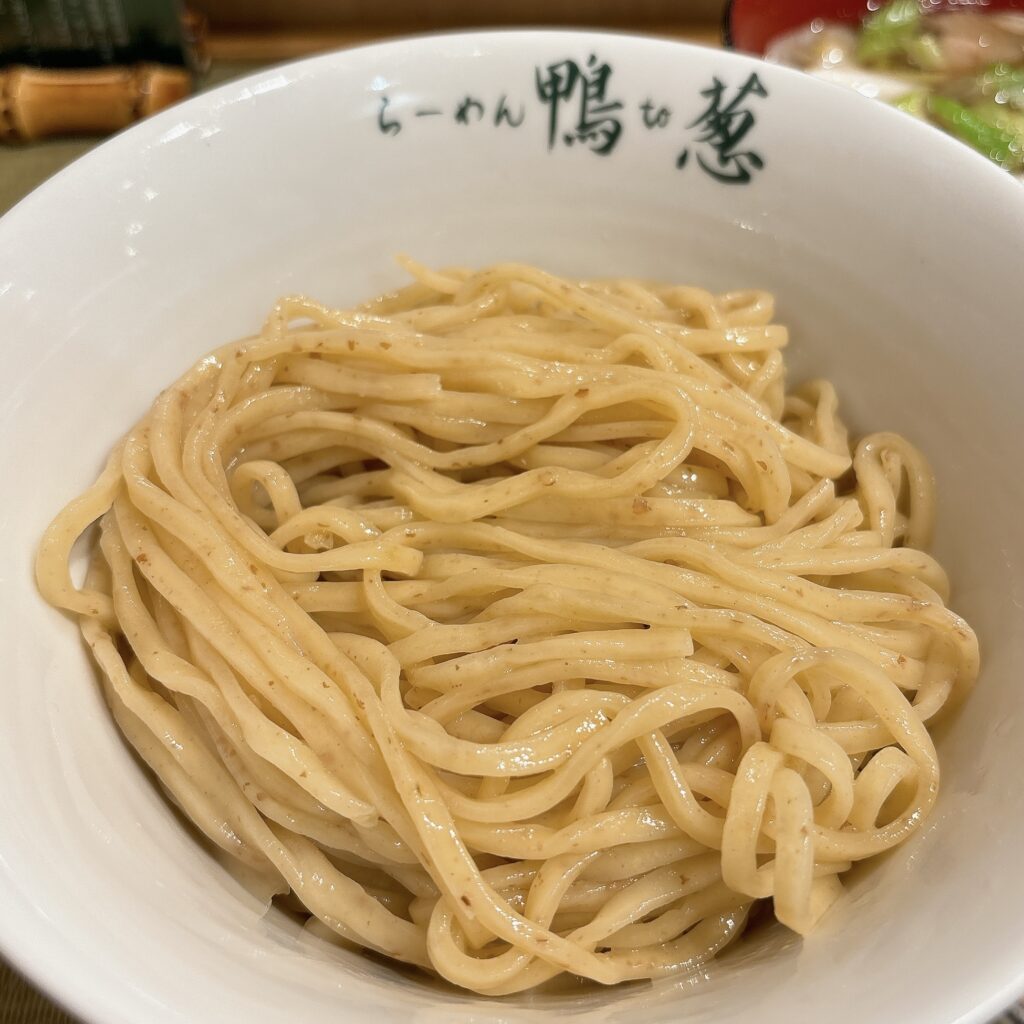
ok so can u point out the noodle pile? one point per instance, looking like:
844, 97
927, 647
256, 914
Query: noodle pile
519, 626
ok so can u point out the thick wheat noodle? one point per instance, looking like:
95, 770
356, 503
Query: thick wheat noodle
520, 626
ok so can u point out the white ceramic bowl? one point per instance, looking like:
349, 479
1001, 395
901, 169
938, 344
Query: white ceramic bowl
896, 255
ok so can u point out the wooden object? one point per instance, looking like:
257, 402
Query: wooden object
37, 103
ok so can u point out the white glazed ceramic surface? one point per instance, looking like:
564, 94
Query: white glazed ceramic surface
896, 258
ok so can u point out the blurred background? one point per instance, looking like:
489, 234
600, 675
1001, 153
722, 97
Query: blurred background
244, 24
74, 71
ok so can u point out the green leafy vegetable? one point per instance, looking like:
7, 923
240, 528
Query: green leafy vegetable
984, 109
1000, 145
1004, 83
887, 33
914, 103
1001, 115
923, 51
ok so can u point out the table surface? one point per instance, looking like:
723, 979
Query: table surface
22, 168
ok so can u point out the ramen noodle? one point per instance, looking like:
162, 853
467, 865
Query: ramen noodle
519, 626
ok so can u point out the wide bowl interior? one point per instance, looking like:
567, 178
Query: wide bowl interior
895, 255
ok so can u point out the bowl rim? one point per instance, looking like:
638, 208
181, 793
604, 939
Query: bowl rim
50, 967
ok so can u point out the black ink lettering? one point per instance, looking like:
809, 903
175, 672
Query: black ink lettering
387, 125
595, 124
654, 116
504, 115
723, 127
469, 106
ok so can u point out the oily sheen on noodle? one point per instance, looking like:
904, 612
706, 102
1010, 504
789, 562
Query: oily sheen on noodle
522, 626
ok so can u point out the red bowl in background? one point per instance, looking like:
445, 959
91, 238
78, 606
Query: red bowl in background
750, 25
